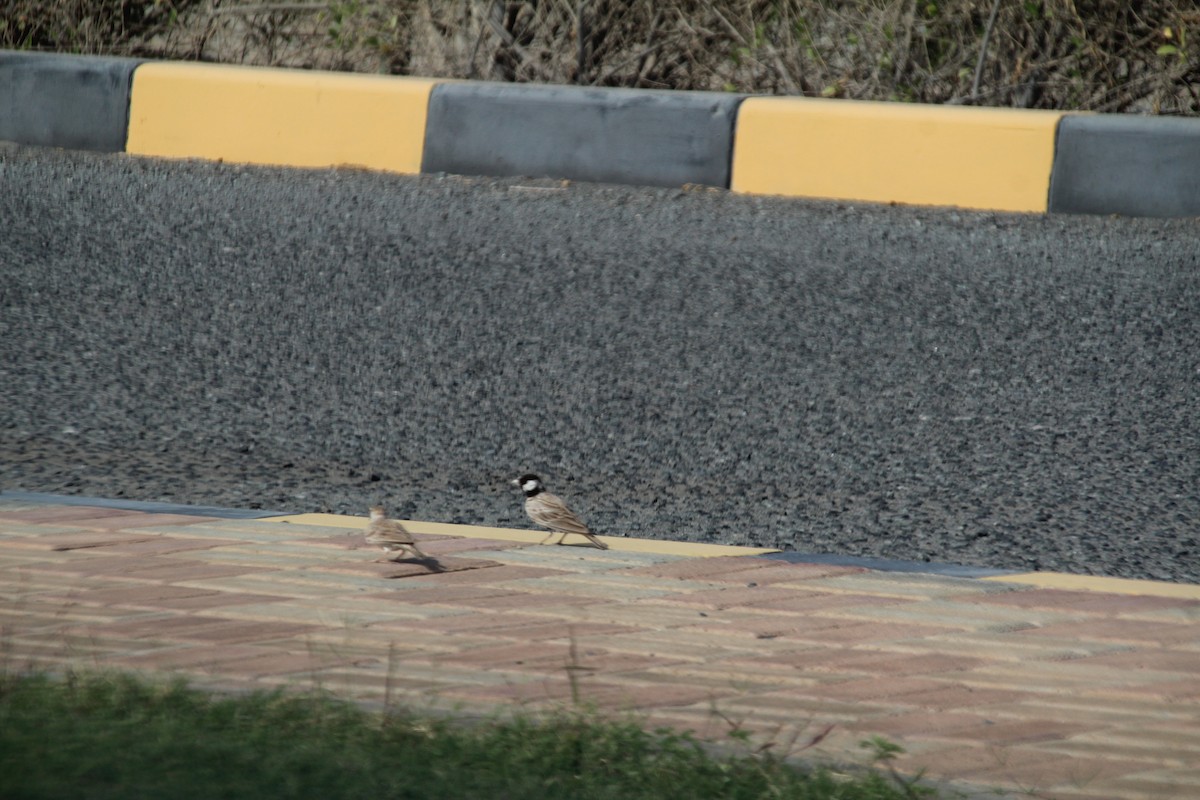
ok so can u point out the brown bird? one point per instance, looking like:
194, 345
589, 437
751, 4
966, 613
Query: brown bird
551, 512
390, 535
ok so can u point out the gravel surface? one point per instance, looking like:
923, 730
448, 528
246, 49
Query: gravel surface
985, 389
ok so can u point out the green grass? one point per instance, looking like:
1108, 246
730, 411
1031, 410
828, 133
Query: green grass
116, 736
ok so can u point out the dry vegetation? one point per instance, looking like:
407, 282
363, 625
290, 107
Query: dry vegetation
1098, 55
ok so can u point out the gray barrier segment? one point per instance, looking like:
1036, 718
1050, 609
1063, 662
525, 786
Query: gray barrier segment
1137, 166
890, 565
74, 102
631, 136
146, 507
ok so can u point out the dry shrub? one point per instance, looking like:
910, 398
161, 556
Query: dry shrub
87, 27
1102, 55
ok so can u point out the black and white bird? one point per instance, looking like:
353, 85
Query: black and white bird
551, 512
390, 535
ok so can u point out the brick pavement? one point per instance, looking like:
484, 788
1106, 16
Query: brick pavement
1006, 682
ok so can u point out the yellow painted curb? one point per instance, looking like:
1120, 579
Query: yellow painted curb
1093, 583
616, 543
986, 158
286, 117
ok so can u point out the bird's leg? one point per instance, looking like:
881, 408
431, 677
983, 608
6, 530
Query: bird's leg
562, 538
549, 536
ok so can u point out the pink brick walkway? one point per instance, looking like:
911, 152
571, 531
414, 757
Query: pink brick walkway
1075, 694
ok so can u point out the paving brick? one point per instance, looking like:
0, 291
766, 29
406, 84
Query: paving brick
1153, 754
705, 725
1023, 731
304, 614
79, 643
908, 585
1058, 676
645, 616
1090, 602
792, 705
1143, 659
572, 559
795, 574
240, 632
466, 621
452, 595
729, 640
590, 691
1003, 647
530, 603
605, 585
443, 546
162, 627
1182, 689
236, 530
512, 656
737, 568
1134, 631
279, 559
732, 676
60, 513
184, 657
290, 583
962, 615
75, 540
161, 545
920, 724
60, 613
1097, 708
1151, 785
958, 696
843, 604
284, 663
98, 565
17, 531
499, 573
883, 663
872, 689
732, 597
848, 632
965, 761
137, 520
217, 600
747, 624
125, 596
651, 643
401, 569
562, 630
180, 571
382, 639
1024, 767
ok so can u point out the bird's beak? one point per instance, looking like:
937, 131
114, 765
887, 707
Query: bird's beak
515, 481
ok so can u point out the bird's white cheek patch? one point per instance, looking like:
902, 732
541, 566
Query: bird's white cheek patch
529, 486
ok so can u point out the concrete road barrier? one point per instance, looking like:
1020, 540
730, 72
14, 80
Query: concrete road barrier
654, 138
1116, 164
978, 158
895, 153
75, 102
278, 116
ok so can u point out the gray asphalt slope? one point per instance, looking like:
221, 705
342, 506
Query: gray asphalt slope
994, 390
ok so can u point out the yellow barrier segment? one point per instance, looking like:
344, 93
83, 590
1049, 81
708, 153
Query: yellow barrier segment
278, 116
617, 543
1097, 583
986, 158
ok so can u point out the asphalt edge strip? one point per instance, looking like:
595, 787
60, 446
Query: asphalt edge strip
143, 506
1043, 580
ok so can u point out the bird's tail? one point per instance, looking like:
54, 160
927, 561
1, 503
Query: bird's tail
591, 537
